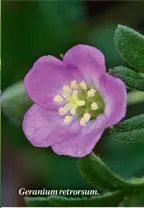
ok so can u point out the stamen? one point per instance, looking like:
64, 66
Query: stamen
83, 85
94, 106
58, 99
67, 89
73, 109
68, 119
80, 102
62, 111
74, 95
82, 122
74, 85
86, 117
91, 93
78, 98
67, 107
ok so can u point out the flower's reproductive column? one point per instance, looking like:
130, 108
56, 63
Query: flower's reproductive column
80, 101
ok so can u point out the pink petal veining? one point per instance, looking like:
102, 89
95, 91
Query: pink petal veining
43, 127
46, 79
89, 60
83, 143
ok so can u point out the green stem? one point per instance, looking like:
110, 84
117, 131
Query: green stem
135, 97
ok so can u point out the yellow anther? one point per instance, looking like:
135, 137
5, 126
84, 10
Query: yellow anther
83, 85
58, 99
66, 88
73, 109
62, 111
86, 117
74, 95
82, 122
80, 103
67, 97
74, 85
67, 119
94, 106
91, 93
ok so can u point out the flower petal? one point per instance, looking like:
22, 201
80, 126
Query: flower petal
83, 143
46, 79
114, 93
89, 60
44, 128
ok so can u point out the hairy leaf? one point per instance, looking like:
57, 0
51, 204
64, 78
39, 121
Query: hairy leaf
88, 172
102, 170
131, 78
130, 45
137, 181
105, 173
136, 199
99, 168
37, 202
109, 199
130, 130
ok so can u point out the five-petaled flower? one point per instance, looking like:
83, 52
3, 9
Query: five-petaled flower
75, 100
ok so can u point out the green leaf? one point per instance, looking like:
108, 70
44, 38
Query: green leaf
92, 166
88, 172
131, 78
37, 202
137, 181
105, 173
130, 45
130, 130
135, 200
15, 102
99, 168
109, 199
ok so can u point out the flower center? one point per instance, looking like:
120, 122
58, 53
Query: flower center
79, 100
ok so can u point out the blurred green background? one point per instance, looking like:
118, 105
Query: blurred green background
31, 29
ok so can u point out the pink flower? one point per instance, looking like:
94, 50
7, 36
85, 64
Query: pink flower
75, 100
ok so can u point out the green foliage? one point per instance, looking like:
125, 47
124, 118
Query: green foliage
110, 199
102, 172
135, 97
136, 199
130, 130
15, 102
98, 167
88, 172
37, 202
130, 45
137, 181
131, 78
